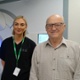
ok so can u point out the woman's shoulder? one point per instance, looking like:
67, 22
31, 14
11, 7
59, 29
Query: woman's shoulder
30, 41
8, 39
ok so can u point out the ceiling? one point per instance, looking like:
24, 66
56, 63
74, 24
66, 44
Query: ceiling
7, 1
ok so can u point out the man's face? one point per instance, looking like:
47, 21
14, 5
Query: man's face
55, 27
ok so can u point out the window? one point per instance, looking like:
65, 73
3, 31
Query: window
42, 37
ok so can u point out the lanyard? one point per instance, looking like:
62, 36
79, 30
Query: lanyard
17, 56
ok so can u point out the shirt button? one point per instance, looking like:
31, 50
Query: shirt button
53, 58
67, 56
53, 69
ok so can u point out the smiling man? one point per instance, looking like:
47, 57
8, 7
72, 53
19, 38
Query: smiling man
56, 58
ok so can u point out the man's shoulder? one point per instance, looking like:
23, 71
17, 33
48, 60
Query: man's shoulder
72, 43
41, 45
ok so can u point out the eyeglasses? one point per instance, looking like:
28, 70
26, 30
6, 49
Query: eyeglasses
56, 25
17, 24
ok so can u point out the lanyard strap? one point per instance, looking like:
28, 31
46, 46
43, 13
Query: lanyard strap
17, 56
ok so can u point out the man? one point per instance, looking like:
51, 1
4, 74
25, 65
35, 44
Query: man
57, 58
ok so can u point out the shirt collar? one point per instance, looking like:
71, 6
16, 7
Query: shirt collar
63, 42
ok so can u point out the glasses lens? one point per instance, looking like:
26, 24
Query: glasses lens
57, 25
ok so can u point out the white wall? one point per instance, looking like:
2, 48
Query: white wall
74, 20
35, 11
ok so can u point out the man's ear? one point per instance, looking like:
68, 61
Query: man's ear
45, 28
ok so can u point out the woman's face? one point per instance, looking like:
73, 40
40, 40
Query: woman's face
19, 27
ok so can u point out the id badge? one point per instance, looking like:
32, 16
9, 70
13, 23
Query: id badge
16, 71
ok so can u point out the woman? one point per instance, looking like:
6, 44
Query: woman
16, 52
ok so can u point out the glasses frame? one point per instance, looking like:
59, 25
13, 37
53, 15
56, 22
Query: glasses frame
56, 25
